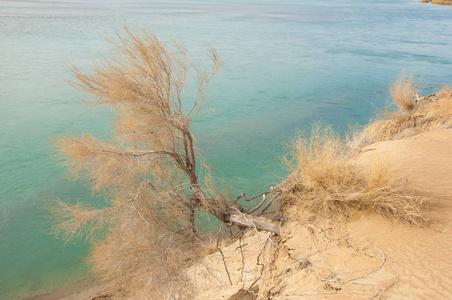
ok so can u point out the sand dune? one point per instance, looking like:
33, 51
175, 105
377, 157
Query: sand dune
421, 255
365, 257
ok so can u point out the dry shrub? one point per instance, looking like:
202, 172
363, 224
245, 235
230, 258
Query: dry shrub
444, 92
148, 169
145, 234
403, 92
326, 181
431, 112
141, 247
146, 261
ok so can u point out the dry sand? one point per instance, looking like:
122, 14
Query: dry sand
420, 255
366, 257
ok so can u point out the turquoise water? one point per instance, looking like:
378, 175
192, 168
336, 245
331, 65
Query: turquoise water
286, 64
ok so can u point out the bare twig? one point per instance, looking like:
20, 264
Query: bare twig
243, 258
269, 204
374, 270
259, 264
352, 280
327, 247
259, 205
222, 256
395, 282
315, 293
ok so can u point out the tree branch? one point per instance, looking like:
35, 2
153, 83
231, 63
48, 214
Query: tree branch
259, 223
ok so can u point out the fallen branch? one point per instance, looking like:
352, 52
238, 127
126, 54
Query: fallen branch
256, 222
222, 256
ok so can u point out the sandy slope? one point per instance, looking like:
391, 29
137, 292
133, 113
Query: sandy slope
364, 258
420, 255
424, 159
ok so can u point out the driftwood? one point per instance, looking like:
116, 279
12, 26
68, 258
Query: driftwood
258, 223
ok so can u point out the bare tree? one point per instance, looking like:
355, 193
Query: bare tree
148, 170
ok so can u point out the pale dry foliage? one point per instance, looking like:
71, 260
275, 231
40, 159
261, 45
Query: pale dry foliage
327, 182
145, 235
411, 117
148, 170
403, 92
146, 260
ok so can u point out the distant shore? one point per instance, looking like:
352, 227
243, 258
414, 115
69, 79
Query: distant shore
439, 2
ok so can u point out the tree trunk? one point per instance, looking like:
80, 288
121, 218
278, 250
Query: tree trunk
222, 210
258, 223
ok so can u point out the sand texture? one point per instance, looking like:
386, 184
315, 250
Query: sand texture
365, 257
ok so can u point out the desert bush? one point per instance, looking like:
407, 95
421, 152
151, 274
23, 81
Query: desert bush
147, 262
444, 92
403, 91
148, 169
327, 181
410, 117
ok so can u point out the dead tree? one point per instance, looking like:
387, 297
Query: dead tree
150, 162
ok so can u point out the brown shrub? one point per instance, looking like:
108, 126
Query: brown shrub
145, 261
403, 91
145, 234
326, 181
148, 169
445, 92
431, 112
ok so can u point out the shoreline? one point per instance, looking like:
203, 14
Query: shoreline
347, 89
81, 289
438, 2
422, 160
415, 145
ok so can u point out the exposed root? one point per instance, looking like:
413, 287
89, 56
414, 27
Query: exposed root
222, 256
337, 266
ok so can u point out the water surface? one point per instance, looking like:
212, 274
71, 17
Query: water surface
286, 64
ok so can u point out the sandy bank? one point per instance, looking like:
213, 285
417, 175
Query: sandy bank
420, 255
366, 257
85, 289
440, 2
